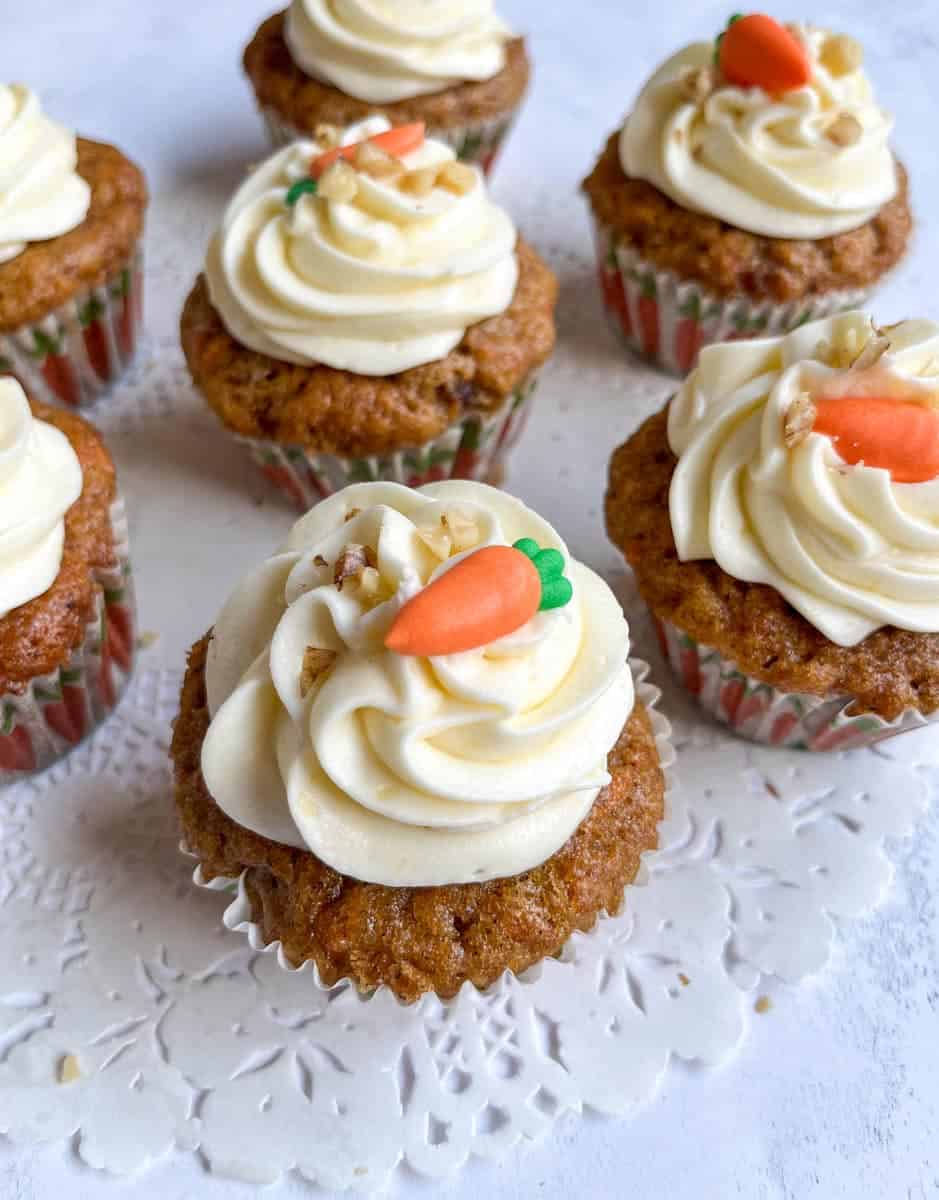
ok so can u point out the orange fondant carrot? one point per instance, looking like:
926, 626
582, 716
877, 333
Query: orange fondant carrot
900, 436
757, 51
398, 141
490, 593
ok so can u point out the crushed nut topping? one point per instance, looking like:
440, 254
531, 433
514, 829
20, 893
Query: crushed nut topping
69, 1069
379, 164
457, 177
436, 540
872, 352
845, 130
698, 84
841, 54
799, 421
338, 182
352, 562
328, 136
370, 583
351, 514
319, 561
462, 529
420, 182
316, 663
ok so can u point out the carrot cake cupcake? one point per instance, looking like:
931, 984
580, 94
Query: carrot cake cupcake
456, 67
782, 519
366, 312
71, 221
414, 730
66, 601
751, 189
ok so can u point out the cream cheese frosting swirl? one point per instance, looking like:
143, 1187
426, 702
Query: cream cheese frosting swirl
410, 771
40, 479
387, 50
777, 165
377, 284
849, 548
41, 194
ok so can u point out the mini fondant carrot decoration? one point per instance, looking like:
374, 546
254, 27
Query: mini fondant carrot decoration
489, 594
398, 141
756, 51
900, 436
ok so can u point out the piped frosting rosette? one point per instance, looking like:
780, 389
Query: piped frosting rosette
401, 768
811, 463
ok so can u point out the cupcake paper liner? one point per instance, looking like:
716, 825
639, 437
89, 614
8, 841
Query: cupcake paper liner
474, 448
762, 713
478, 144
667, 320
75, 353
60, 709
238, 916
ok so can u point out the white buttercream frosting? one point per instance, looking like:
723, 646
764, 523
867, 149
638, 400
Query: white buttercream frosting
377, 284
410, 771
40, 479
387, 50
764, 163
41, 194
849, 548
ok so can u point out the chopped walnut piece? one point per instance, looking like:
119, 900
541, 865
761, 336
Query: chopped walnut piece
420, 182
845, 130
841, 54
328, 136
437, 541
369, 583
316, 663
352, 562
379, 164
871, 352
457, 177
698, 84
319, 561
69, 1069
799, 421
351, 514
338, 182
462, 529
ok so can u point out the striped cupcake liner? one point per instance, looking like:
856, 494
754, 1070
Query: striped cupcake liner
667, 320
478, 144
74, 354
474, 448
761, 713
56, 711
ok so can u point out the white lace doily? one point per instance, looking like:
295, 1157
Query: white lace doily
130, 1016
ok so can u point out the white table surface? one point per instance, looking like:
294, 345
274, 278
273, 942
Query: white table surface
836, 1091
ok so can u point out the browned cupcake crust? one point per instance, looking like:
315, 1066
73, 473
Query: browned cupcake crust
339, 412
305, 103
731, 262
752, 624
416, 940
40, 635
47, 274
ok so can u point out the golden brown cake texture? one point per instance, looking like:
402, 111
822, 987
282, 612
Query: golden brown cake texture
47, 274
40, 635
416, 940
305, 103
752, 624
340, 412
731, 262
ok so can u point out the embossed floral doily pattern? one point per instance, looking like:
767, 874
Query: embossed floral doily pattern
130, 1016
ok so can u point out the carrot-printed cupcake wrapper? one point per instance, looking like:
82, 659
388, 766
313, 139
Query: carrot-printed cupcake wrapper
75, 353
757, 711
56, 711
473, 448
478, 144
667, 320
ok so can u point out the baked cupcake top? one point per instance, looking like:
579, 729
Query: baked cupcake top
40, 479
459, 755
42, 195
388, 50
375, 263
774, 131
811, 463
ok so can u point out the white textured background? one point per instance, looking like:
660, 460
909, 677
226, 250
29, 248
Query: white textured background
836, 1093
